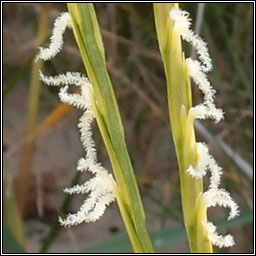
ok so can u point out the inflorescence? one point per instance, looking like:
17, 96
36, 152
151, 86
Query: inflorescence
101, 187
198, 70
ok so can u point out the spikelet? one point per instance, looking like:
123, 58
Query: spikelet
101, 187
207, 109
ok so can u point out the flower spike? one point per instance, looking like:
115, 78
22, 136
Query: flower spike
198, 70
101, 187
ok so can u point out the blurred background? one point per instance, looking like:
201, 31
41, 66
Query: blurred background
41, 141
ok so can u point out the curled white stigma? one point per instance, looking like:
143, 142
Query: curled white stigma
207, 109
100, 188
197, 70
216, 239
220, 197
182, 23
200, 170
214, 195
56, 40
200, 79
206, 162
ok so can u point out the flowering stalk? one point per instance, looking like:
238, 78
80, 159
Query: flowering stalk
194, 160
97, 100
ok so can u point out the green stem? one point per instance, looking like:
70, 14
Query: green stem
88, 37
179, 103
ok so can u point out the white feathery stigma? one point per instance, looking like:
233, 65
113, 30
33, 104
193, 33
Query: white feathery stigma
216, 239
221, 197
198, 70
100, 188
56, 40
182, 23
206, 162
200, 79
200, 170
